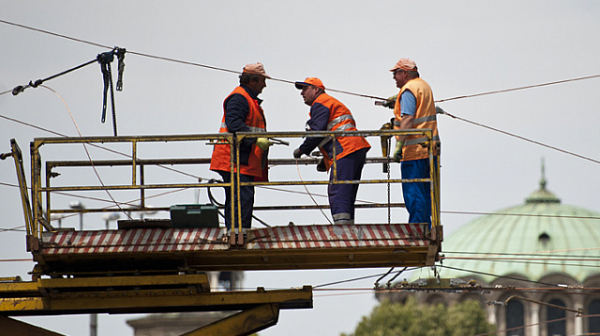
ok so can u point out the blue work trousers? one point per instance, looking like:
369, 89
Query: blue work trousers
343, 196
246, 200
417, 195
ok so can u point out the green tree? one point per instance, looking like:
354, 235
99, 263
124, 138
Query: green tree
397, 319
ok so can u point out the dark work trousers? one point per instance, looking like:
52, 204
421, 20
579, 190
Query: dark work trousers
343, 196
246, 199
417, 195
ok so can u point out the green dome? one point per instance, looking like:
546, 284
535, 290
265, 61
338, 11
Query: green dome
531, 240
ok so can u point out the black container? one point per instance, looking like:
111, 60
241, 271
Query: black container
194, 216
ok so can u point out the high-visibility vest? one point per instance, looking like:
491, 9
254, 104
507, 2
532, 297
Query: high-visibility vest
257, 164
425, 117
340, 119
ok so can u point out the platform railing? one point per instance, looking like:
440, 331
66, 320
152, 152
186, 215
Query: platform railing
41, 176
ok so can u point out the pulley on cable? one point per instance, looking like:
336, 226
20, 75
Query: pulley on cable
105, 59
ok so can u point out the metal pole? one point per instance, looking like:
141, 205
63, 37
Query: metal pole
93, 324
77, 205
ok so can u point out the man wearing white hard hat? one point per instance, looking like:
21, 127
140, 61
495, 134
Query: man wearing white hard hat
414, 109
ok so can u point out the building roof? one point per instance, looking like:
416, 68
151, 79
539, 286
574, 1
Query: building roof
533, 240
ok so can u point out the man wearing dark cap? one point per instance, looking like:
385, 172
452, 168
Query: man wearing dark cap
242, 113
329, 114
414, 109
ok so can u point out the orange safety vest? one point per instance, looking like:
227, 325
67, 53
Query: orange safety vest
340, 119
257, 160
425, 117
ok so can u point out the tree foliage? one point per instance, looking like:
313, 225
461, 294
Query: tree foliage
397, 319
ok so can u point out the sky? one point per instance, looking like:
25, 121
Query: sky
462, 48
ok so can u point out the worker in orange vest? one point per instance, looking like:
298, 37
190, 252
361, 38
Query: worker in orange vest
243, 113
414, 109
329, 114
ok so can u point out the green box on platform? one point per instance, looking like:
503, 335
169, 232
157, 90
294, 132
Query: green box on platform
194, 216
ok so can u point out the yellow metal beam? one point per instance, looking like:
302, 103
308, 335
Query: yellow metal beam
152, 301
125, 281
136, 294
244, 323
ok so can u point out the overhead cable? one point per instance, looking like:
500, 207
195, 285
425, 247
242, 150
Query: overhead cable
284, 80
525, 254
359, 278
517, 214
497, 276
441, 111
518, 88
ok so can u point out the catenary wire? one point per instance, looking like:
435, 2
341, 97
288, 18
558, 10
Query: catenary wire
359, 278
533, 261
516, 214
518, 88
288, 81
496, 275
518, 137
526, 253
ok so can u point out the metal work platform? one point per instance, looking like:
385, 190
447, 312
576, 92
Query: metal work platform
164, 248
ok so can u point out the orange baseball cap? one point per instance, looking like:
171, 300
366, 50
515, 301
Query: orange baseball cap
310, 81
405, 64
256, 68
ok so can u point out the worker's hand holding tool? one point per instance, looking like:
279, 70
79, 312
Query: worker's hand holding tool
390, 102
263, 143
398, 152
297, 153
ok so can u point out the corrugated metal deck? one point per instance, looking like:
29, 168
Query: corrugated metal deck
203, 249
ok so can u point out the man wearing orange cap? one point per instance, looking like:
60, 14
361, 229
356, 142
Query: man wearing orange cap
242, 113
329, 114
414, 109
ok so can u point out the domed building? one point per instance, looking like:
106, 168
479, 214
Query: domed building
543, 257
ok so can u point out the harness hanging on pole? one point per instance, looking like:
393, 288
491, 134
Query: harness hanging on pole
105, 59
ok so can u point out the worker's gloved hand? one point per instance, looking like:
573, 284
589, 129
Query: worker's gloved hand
263, 143
321, 166
297, 153
391, 101
398, 152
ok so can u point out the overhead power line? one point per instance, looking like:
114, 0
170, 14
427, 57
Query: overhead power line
496, 275
285, 80
518, 88
441, 111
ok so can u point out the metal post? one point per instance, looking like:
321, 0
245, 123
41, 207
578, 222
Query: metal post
77, 205
93, 324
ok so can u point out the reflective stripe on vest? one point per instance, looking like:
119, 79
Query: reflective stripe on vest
420, 140
252, 128
338, 120
425, 119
